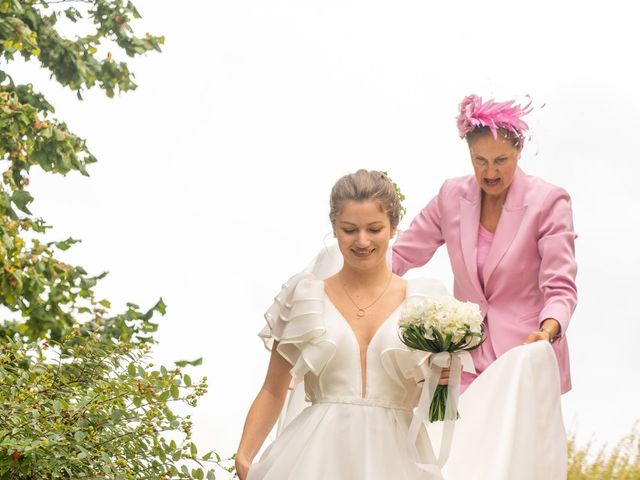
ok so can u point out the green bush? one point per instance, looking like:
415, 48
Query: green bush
78, 398
622, 462
90, 408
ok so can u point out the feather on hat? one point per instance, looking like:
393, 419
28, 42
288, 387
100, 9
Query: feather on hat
475, 114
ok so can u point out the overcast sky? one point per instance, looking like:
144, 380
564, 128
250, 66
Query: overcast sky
213, 177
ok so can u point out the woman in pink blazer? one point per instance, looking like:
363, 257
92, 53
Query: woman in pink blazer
509, 237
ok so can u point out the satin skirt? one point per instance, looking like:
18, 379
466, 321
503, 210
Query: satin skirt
510, 427
342, 441
510, 424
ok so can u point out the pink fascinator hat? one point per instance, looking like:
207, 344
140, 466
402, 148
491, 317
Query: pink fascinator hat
474, 113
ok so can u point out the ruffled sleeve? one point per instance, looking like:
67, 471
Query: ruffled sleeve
296, 321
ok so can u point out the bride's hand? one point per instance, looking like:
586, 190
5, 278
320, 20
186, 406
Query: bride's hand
444, 377
242, 468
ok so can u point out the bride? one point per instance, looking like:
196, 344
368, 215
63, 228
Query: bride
337, 333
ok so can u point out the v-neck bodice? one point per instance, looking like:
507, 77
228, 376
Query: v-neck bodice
344, 376
323, 350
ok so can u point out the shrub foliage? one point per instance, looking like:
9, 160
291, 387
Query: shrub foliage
78, 396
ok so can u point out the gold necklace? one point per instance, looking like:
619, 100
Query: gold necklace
363, 310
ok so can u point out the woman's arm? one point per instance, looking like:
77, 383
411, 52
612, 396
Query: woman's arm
558, 267
557, 274
418, 243
264, 411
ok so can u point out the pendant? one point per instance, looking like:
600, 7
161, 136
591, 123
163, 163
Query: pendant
361, 312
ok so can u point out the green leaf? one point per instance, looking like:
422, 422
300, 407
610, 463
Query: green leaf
187, 380
22, 198
66, 244
193, 363
439, 339
116, 415
194, 449
175, 392
79, 436
160, 307
131, 369
57, 406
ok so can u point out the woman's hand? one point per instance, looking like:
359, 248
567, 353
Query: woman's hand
548, 331
537, 336
242, 468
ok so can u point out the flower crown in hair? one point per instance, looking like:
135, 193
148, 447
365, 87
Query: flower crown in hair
475, 114
401, 196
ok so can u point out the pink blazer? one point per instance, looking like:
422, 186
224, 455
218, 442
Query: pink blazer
530, 270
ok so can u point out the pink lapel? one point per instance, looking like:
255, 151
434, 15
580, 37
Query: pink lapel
469, 221
510, 219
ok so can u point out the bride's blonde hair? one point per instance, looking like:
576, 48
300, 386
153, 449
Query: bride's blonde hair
362, 186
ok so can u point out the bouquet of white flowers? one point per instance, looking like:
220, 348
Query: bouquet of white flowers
442, 326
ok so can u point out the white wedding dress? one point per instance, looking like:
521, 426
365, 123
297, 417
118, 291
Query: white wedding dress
510, 427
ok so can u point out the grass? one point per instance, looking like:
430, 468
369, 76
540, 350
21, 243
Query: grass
622, 462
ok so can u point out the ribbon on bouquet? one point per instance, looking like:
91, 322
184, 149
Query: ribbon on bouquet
431, 369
